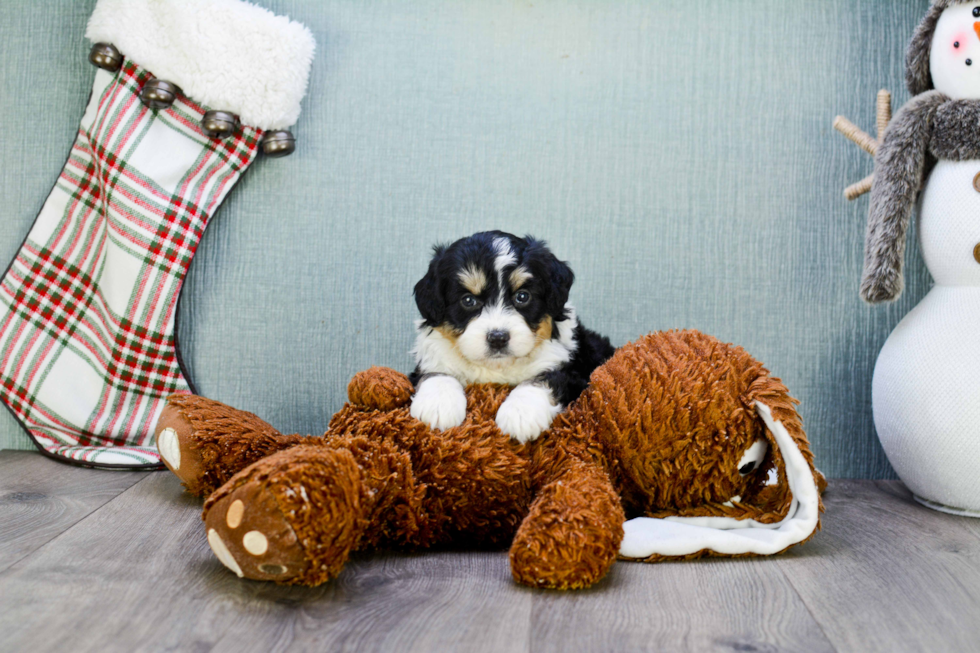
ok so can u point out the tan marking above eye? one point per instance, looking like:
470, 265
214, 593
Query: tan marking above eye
519, 276
473, 279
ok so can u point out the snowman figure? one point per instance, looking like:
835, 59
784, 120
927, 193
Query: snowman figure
926, 387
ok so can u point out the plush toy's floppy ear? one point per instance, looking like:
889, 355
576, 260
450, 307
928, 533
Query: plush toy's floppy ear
428, 294
917, 75
653, 539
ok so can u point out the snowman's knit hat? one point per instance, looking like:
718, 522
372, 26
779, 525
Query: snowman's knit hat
917, 75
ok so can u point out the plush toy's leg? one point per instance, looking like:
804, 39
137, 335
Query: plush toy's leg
571, 536
296, 516
205, 442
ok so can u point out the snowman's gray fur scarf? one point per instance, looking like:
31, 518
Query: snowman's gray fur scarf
900, 167
930, 127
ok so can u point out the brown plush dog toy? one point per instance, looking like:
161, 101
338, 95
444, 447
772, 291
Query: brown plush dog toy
690, 437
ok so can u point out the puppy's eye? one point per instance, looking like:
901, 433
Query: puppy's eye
522, 298
469, 302
747, 468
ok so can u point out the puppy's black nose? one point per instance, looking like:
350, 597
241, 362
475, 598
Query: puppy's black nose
498, 339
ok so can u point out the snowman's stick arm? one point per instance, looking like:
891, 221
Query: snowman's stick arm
884, 112
856, 135
899, 170
858, 189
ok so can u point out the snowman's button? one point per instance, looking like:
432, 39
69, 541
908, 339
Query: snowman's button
976, 253
976, 183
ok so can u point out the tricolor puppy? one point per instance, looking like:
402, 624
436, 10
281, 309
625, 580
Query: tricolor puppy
494, 310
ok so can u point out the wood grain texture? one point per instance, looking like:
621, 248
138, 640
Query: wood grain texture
884, 575
887, 574
711, 605
139, 574
41, 498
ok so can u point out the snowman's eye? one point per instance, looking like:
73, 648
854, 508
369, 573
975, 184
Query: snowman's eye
976, 12
969, 62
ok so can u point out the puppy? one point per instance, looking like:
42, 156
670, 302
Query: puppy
494, 310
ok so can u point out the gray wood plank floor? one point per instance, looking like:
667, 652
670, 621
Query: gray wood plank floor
107, 561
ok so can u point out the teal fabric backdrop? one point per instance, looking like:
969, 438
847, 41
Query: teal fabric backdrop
678, 154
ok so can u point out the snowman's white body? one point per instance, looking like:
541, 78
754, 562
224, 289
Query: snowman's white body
926, 387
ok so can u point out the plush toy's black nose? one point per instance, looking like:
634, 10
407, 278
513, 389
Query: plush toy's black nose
498, 339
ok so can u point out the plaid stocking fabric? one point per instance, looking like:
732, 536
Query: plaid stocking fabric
87, 335
88, 352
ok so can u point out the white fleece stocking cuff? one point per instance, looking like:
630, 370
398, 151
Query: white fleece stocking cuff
229, 55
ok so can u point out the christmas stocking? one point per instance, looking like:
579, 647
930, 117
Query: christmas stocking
186, 95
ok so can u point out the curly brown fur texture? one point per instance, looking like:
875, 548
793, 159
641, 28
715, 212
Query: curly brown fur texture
571, 535
660, 430
380, 388
672, 408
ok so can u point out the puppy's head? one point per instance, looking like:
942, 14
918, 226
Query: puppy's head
496, 296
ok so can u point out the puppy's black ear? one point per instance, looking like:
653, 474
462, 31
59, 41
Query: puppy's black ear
559, 276
562, 279
428, 294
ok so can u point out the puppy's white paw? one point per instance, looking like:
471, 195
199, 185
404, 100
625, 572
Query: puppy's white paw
528, 410
439, 402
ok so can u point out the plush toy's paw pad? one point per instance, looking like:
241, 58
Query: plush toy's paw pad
250, 536
380, 388
177, 448
527, 412
439, 403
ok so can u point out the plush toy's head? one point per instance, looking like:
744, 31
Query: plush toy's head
945, 51
703, 436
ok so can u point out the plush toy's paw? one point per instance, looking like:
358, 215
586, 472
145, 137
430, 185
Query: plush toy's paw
178, 450
250, 535
204, 442
527, 412
439, 402
570, 537
380, 388
293, 517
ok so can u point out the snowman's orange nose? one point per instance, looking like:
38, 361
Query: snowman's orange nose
976, 28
